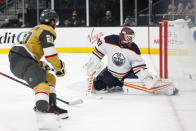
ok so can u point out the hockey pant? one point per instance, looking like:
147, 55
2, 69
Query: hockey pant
106, 80
26, 68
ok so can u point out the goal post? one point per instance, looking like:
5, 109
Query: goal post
163, 49
177, 50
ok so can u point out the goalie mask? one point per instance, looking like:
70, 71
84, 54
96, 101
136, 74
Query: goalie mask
126, 36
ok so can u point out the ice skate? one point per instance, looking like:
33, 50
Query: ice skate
53, 108
63, 114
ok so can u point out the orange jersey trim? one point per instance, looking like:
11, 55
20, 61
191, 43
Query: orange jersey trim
136, 69
98, 53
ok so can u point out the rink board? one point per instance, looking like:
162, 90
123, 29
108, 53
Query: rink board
82, 39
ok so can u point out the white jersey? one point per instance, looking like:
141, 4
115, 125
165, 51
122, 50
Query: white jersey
120, 59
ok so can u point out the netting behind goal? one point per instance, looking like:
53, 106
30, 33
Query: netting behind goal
177, 52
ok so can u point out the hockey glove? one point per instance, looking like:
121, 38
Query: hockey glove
45, 66
93, 66
62, 71
149, 80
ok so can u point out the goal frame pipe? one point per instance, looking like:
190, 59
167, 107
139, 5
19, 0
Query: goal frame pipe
163, 49
166, 49
160, 50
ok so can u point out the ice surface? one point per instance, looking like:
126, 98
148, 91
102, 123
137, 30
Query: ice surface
116, 112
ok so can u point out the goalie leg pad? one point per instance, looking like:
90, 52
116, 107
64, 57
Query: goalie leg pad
135, 87
165, 87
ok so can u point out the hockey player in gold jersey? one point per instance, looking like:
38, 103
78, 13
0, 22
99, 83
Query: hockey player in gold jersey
25, 62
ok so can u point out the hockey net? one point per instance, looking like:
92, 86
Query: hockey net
177, 53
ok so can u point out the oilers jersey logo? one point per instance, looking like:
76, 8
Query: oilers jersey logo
118, 59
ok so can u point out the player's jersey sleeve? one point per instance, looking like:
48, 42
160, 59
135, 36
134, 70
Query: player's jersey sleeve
47, 38
100, 49
137, 61
138, 64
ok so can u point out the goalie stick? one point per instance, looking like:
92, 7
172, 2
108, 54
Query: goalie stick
90, 85
74, 102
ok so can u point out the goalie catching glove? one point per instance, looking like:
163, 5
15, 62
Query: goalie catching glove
93, 66
147, 78
62, 71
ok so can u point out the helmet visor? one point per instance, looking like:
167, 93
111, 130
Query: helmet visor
55, 17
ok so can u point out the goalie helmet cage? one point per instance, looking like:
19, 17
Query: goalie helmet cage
177, 50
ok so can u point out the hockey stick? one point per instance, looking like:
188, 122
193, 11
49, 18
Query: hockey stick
90, 85
75, 102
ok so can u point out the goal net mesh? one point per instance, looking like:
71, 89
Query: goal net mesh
182, 54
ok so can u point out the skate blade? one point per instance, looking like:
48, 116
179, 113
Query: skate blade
64, 116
